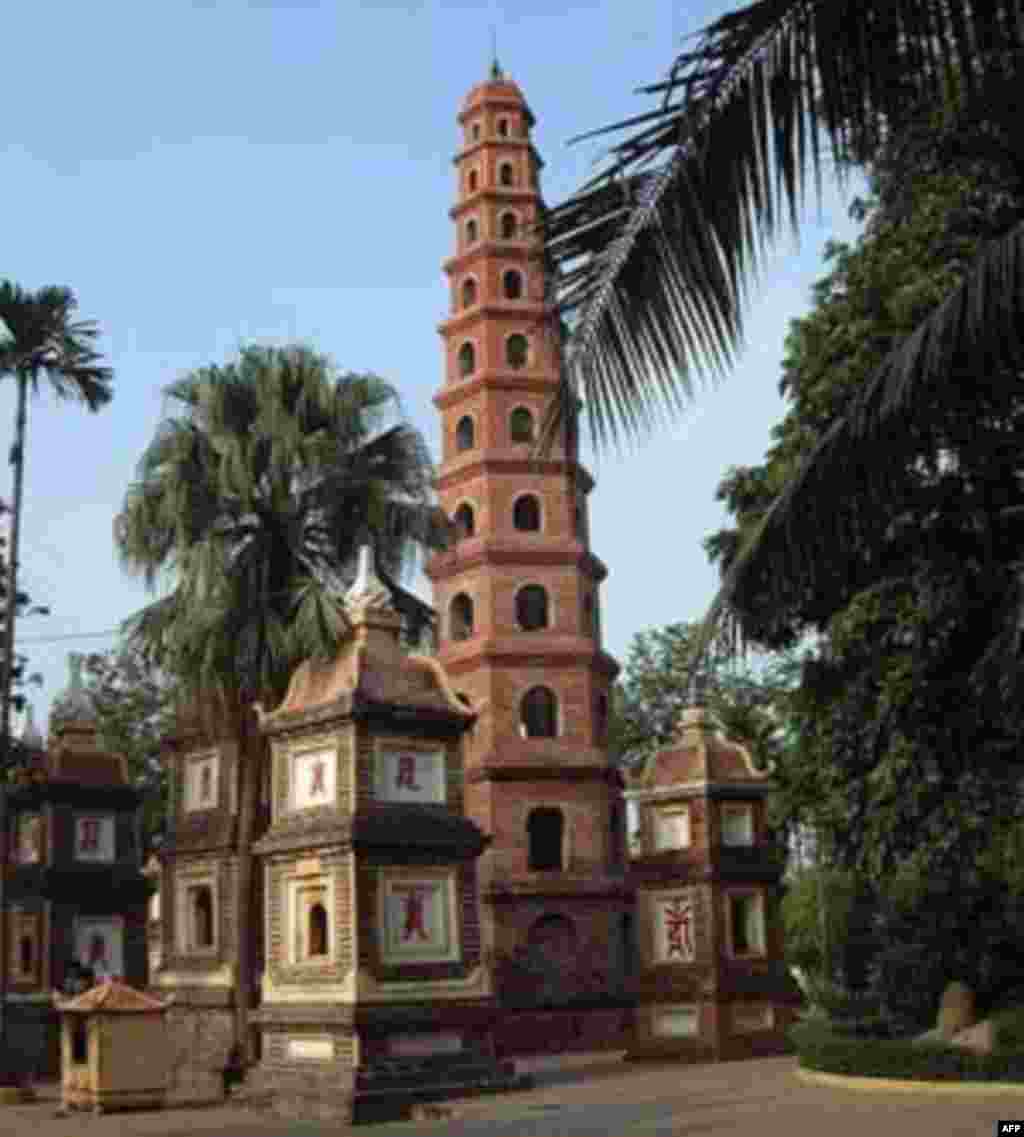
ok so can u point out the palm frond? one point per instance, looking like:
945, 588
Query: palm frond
256, 492
43, 339
828, 508
654, 254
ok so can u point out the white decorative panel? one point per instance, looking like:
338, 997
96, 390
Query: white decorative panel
99, 944
313, 777
201, 782
317, 1049
673, 920
417, 919
737, 825
29, 848
410, 775
419, 1045
676, 1022
94, 837
672, 828
747, 1018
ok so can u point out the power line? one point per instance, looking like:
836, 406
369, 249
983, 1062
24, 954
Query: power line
71, 636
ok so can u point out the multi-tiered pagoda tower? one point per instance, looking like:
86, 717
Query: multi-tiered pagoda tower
518, 594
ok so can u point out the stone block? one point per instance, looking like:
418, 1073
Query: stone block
956, 1010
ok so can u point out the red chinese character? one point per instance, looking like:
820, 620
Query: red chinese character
679, 925
414, 914
316, 786
89, 835
406, 776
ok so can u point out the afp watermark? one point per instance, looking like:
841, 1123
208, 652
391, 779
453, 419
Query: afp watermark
1012, 1128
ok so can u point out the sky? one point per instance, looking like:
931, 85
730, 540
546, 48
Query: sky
211, 174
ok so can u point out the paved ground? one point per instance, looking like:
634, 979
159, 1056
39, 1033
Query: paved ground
597, 1096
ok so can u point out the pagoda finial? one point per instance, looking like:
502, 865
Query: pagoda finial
496, 72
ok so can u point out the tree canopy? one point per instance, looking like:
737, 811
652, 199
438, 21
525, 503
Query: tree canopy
656, 252
254, 496
908, 724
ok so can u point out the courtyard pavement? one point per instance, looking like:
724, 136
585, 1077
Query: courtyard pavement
595, 1096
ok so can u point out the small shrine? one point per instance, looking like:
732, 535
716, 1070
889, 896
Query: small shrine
376, 992
76, 897
114, 1050
712, 984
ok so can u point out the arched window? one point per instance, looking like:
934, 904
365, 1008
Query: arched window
517, 349
538, 713
467, 360
531, 608
476, 131
509, 226
471, 231
512, 285
26, 955
472, 181
526, 514
202, 916
588, 614
461, 617
520, 425
464, 434
317, 929
79, 1040
468, 292
628, 947
544, 831
503, 127
464, 523
506, 177
601, 715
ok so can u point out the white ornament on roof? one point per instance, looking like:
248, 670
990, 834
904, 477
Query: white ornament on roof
368, 590
30, 735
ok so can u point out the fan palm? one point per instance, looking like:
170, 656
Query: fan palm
255, 495
654, 255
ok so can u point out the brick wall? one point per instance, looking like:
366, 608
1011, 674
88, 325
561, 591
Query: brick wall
200, 1039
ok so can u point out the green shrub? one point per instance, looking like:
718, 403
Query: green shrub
826, 1050
1008, 1029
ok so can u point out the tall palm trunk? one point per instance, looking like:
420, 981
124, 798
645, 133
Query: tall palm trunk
18, 461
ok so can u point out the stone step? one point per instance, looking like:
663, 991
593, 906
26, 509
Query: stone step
439, 1090
376, 1078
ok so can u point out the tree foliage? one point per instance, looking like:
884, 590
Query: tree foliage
255, 497
655, 688
908, 722
655, 253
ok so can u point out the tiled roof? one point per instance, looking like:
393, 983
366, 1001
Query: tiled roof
115, 997
86, 769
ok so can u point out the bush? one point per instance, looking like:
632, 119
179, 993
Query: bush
1008, 1029
833, 1053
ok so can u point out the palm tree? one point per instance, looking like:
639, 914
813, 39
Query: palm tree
38, 338
653, 256
255, 495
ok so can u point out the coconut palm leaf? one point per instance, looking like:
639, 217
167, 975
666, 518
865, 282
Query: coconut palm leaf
803, 541
655, 254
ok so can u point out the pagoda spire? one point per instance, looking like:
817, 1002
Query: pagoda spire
496, 71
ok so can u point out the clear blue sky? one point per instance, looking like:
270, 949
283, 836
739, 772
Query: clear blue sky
214, 173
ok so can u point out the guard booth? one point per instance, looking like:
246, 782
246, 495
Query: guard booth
114, 1048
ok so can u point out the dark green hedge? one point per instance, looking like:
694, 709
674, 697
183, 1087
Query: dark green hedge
825, 1050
